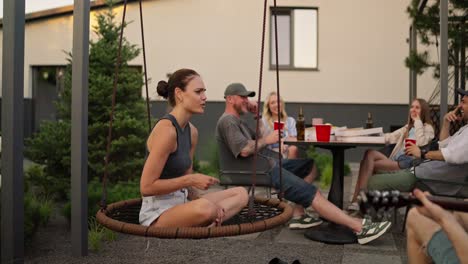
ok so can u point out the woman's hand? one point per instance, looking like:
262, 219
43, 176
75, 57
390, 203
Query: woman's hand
201, 181
412, 150
192, 194
219, 217
415, 117
432, 210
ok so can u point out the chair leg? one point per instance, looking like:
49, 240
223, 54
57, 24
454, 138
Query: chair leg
404, 219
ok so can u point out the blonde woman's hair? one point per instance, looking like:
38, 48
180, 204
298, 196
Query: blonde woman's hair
267, 113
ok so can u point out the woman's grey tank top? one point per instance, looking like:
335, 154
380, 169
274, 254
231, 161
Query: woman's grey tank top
179, 161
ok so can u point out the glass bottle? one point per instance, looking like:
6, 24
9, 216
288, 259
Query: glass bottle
369, 122
300, 125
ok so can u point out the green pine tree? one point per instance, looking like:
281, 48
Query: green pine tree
51, 145
428, 28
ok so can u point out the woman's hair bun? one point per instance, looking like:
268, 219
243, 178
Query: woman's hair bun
163, 89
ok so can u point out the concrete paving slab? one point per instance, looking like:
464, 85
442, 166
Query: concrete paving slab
383, 243
245, 237
295, 237
355, 258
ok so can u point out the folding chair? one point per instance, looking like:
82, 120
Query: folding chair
238, 171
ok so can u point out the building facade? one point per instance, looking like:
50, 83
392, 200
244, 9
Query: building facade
338, 59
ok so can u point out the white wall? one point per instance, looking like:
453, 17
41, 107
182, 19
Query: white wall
362, 46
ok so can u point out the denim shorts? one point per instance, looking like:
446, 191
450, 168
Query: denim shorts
441, 250
405, 161
295, 188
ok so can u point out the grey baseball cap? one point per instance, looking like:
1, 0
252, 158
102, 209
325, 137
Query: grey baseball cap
462, 92
238, 89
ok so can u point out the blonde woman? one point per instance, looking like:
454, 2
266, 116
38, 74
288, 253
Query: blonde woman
270, 115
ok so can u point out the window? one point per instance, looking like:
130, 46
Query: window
297, 38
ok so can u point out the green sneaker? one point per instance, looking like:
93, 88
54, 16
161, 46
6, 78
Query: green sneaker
371, 231
305, 221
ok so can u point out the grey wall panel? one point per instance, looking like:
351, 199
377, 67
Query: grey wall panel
352, 115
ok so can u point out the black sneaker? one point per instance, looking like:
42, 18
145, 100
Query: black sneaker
305, 221
371, 231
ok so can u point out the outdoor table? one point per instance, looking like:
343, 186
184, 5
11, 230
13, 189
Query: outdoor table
329, 232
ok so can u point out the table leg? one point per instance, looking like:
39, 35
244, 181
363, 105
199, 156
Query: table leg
335, 195
332, 233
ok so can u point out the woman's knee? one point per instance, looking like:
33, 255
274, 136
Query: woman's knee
242, 195
205, 209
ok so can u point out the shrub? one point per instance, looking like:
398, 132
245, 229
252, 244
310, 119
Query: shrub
37, 212
324, 163
212, 166
97, 233
115, 192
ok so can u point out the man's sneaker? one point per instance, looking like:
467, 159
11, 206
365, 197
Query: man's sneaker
371, 231
305, 221
352, 207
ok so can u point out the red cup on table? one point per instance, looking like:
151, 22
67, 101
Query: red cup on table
408, 140
323, 132
278, 125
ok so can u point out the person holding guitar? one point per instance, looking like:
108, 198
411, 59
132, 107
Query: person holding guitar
448, 163
436, 235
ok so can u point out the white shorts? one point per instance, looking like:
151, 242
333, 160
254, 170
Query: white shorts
153, 206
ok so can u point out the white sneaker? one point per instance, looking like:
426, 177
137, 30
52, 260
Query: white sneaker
371, 231
354, 206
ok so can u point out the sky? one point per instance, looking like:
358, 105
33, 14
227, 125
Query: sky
37, 5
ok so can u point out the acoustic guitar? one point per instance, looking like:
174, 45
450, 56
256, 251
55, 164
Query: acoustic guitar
377, 204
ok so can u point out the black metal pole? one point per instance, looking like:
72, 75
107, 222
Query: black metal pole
12, 231
443, 58
413, 76
463, 56
79, 134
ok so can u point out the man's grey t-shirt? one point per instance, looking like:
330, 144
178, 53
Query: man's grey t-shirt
234, 133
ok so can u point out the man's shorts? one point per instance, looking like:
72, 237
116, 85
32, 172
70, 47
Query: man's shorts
441, 250
402, 180
295, 188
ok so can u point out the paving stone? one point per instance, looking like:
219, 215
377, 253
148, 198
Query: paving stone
352, 258
294, 237
383, 243
245, 237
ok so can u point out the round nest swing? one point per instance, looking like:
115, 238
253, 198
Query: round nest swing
261, 213
268, 213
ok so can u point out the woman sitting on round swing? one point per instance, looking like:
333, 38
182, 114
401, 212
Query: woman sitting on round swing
167, 175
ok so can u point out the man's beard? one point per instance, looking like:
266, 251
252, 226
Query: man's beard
239, 110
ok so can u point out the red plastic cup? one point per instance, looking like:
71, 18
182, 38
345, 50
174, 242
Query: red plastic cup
323, 132
408, 140
278, 125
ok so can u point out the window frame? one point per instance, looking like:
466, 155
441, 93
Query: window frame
288, 10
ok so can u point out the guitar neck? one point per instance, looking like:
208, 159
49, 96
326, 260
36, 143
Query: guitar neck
444, 202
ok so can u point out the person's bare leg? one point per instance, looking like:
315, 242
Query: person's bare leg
200, 212
366, 170
385, 165
330, 212
293, 152
231, 200
420, 230
298, 211
312, 175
